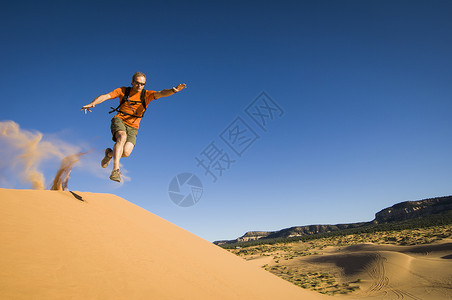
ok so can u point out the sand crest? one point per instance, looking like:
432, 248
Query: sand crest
394, 272
345, 268
74, 245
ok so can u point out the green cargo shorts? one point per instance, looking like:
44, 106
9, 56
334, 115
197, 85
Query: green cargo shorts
118, 125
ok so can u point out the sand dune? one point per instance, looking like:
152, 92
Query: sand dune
336, 266
65, 245
394, 272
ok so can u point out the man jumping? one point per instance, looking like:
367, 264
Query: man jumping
124, 125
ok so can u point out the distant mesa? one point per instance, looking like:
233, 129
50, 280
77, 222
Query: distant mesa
399, 212
414, 209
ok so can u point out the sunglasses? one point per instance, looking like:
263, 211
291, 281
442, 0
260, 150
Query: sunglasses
139, 83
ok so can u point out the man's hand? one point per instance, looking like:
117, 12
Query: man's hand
180, 87
169, 92
96, 101
87, 107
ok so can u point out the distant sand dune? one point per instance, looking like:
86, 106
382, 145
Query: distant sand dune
362, 271
435, 249
394, 272
74, 245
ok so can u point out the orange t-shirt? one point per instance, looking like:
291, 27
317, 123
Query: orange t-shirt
133, 109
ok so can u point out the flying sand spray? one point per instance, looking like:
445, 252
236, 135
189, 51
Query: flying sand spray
23, 151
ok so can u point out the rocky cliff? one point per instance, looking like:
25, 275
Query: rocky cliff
311, 229
413, 209
254, 235
398, 212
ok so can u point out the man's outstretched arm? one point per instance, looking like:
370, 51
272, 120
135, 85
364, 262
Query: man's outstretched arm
169, 92
96, 101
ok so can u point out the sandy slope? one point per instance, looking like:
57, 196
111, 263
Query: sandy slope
364, 271
100, 246
394, 272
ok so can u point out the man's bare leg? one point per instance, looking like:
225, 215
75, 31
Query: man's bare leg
128, 148
122, 148
118, 149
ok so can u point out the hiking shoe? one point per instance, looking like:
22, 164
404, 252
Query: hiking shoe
116, 175
106, 160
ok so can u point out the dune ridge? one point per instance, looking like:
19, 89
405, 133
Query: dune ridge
364, 270
80, 245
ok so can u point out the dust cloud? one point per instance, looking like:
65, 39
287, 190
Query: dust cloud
23, 152
62, 176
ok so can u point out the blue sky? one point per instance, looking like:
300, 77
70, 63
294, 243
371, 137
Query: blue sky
364, 87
